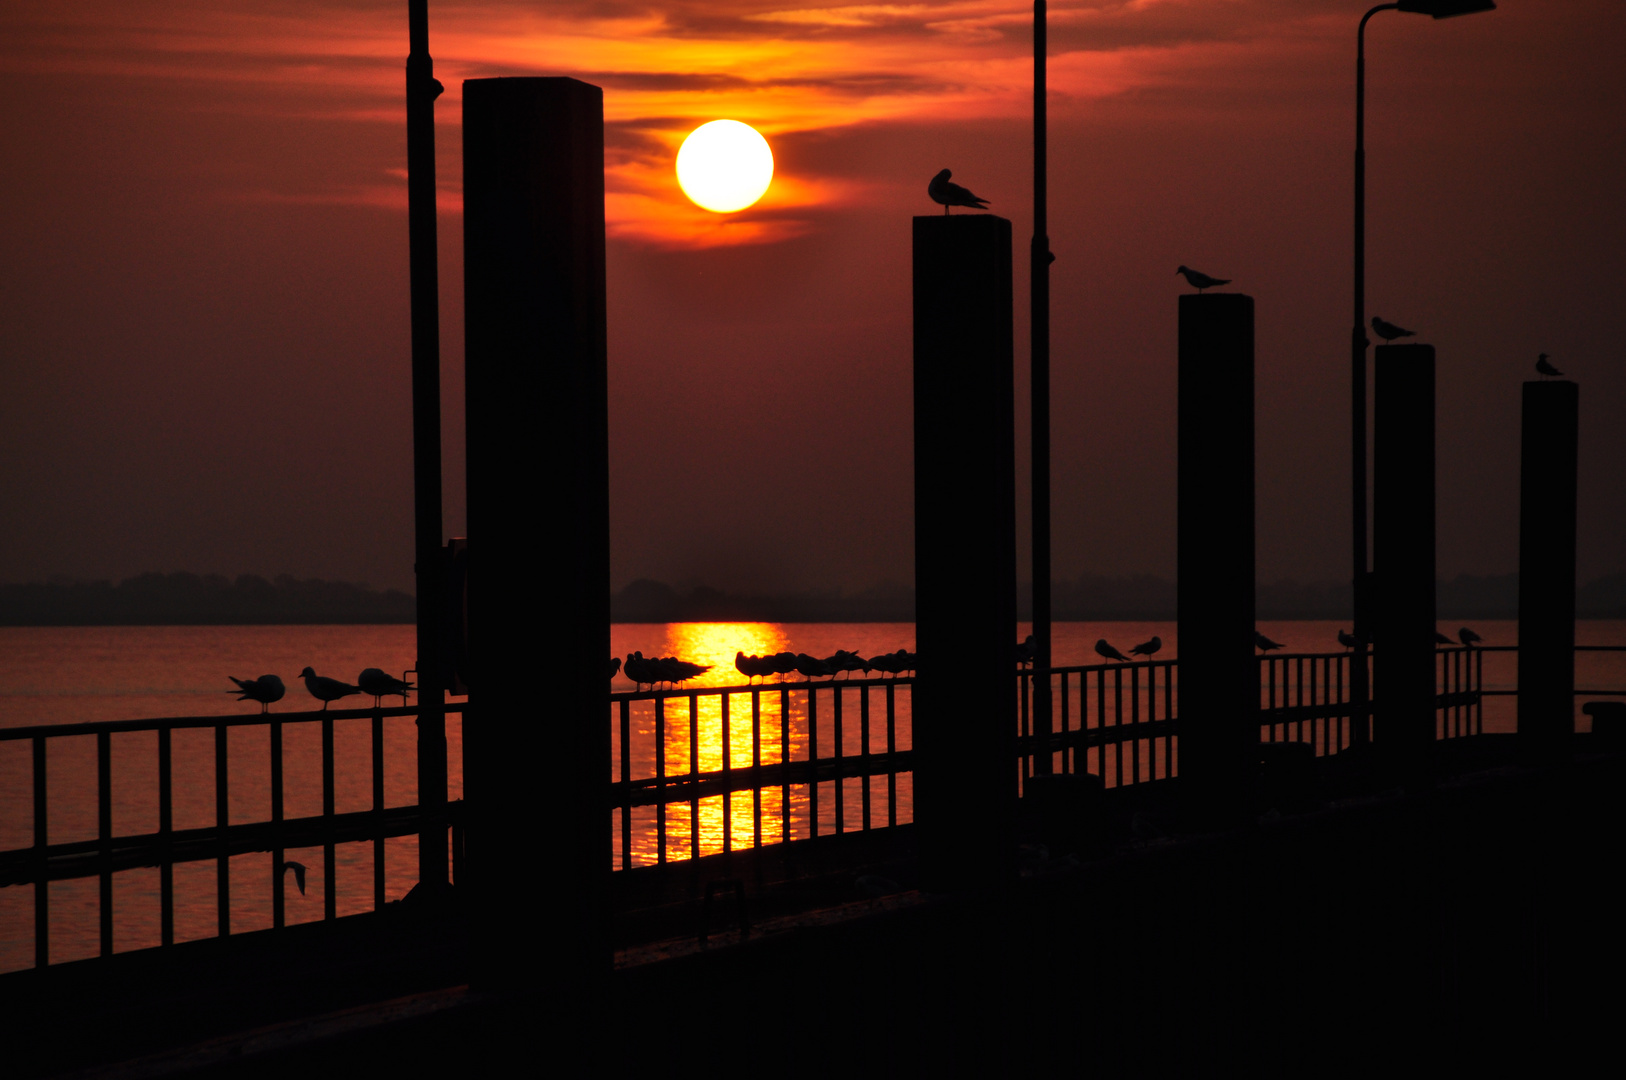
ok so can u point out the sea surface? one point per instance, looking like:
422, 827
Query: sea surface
62, 675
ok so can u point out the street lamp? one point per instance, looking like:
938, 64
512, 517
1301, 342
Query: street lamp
1360, 686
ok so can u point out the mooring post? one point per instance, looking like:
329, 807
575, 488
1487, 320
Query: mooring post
537, 741
965, 553
1403, 667
1548, 459
1219, 674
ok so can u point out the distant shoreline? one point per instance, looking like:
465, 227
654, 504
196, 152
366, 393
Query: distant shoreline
192, 600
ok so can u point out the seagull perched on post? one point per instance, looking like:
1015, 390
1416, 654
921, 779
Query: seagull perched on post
1147, 649
1199, 280
1105, 650
1388, 331
324, 689
1544, 369
265, 690
375, 682
949, 194
1260, 641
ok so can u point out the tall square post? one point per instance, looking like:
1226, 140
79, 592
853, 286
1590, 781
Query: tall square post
965, 552
537, 737
1547, 480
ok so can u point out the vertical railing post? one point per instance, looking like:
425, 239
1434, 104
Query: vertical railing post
42, 864
378, 809
965, 552
1547, 500
330, 890
104, 837
222, 819
537, 401
166, 828
279, 901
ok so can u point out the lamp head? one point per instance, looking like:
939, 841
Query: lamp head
1445, 9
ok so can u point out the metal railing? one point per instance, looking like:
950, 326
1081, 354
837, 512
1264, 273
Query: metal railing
105, 854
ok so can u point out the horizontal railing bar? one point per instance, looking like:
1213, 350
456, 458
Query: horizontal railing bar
234, 720
652, 791
746, 688
82, 858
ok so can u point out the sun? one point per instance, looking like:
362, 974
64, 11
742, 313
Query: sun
724, 166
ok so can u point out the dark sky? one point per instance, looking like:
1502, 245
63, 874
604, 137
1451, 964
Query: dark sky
203, 303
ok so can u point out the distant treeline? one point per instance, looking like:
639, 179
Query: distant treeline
207, 600
212, 600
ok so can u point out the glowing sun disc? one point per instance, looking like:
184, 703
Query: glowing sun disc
724, 166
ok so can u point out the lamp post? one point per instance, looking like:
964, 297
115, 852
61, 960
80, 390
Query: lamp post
1040, 259
1360, 679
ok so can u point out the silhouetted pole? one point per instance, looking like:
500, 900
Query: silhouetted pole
965, 552
1040, 259
1359, 669
1547, 567
422, 88
1403, 539
1219, 674
537, 742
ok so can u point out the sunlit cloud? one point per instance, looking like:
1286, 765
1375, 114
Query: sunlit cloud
666, 67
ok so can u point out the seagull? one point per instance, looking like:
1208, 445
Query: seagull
749, 666
1388, 331
1199, 280
1544, 369
615, 665
1348, 641
783, 663
1107, 651
265, 690
375, 682
1260, 641
677, 671
1468, 637
812, 665
1025, 652
1147, 649
906, 660
324, 689
949, 194
1441, 639
299, 873
845, 661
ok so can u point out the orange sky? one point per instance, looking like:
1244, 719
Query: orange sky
203, 308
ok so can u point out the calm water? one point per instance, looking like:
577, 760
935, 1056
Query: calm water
68, 675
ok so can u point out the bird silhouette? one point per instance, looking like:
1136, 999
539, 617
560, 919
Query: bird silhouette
299, 873
1468, 637
1260, 641
783, 663
324, 689
265, 690
1544, 369
615, 665
1147, 649
812, 666
1026, 650
675, 671
1388, 331
749, 666
1199, 280
1348, 641
374, 681
1441, 639
1105, 650
845, 661
949, 194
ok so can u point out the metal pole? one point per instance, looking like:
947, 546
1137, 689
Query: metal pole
421, 91
1359, 669
1039, 288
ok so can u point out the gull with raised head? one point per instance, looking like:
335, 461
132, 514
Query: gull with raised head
324, 689
1199, 280
949, 194
1545, 369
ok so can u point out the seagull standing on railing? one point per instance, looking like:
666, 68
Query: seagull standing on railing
324, 689
1199, 280
812, 666
1441, 639
615, 665
1468, 637
1348, 641
1544, 369
265, 690
1103, 649
1147, 649
380, 685
845, 661
1026, 651
949, 194
677, 671
1261, 642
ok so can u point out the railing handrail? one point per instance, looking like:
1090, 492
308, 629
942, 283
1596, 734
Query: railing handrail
94, 727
